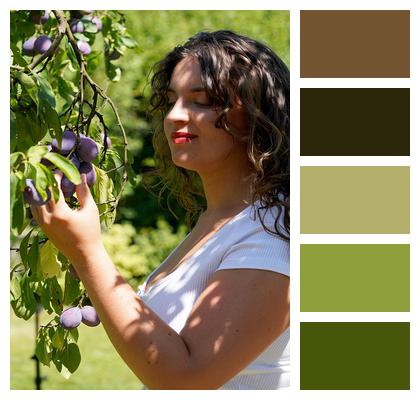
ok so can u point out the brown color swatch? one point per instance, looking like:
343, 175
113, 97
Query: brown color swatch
355, 122
355, 44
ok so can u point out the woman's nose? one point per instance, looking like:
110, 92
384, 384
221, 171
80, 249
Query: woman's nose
178, 112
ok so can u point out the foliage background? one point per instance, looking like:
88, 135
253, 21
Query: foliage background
145, 232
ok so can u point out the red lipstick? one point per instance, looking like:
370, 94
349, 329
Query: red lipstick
182, 137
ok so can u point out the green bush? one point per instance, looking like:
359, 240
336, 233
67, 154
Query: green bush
137, 253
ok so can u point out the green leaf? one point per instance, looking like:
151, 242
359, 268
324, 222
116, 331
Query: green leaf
23, 248
128, 42
80, 36
112, 71
17, 57
23, 129
57, 339
52, 120
56, 295
45, 299
35, 153
45, 93
17, 207
33, 258
64, 165
73, 336
49, 264
70, 357
29, 84
103, 191
25, 306
89, 26
71, 288
13, 132
42, 350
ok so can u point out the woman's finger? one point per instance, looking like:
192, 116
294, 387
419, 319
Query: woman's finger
83, 192
40, 213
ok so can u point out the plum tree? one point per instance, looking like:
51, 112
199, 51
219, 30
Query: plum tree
50, 98
87, 149
67, 143
71, 318
84, 47
42, 44
87, 168
89, 316
32, 196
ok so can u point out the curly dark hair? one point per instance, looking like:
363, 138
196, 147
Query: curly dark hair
232, 67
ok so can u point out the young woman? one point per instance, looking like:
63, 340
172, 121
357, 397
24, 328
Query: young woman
215, 313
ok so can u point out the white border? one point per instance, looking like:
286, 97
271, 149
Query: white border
294, 6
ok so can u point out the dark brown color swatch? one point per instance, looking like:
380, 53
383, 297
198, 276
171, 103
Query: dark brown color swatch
350, 43
355, 122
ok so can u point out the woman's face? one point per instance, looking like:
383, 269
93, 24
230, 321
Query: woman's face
195, 143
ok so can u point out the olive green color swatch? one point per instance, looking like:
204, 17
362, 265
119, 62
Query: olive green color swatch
355, 200
355, 277
355, 355
354, 122
355, 43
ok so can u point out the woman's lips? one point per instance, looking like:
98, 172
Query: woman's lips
182, 137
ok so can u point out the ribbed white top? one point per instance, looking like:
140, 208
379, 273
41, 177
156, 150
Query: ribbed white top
241, 243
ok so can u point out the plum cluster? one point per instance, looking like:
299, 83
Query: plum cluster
72, 317
81, 153
41, 44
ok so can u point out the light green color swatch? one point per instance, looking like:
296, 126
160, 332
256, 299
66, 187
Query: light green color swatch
355, 200
355, 277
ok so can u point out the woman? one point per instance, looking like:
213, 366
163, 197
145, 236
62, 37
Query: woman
215, 314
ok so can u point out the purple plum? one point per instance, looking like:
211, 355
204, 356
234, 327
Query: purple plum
87, 149
75, 160
67, 187
28, 46
45, 17
97, 21
84, 47
76, 26
42, 44
108, 140
67, 143
71, 318
87, 168
32, 196
90, 316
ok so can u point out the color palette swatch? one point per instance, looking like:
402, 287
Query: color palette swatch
356, 355
355, 199
367, 198
355, 122
355, 277
355, 44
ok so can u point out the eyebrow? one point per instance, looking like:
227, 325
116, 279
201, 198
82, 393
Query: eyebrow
193, 89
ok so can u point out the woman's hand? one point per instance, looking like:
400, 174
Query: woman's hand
75, 233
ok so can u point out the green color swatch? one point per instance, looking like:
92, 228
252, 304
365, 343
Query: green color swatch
355, 277
355, 200
355, 355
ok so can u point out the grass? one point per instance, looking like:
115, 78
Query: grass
100, 368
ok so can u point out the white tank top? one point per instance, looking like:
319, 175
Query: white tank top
240, 243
